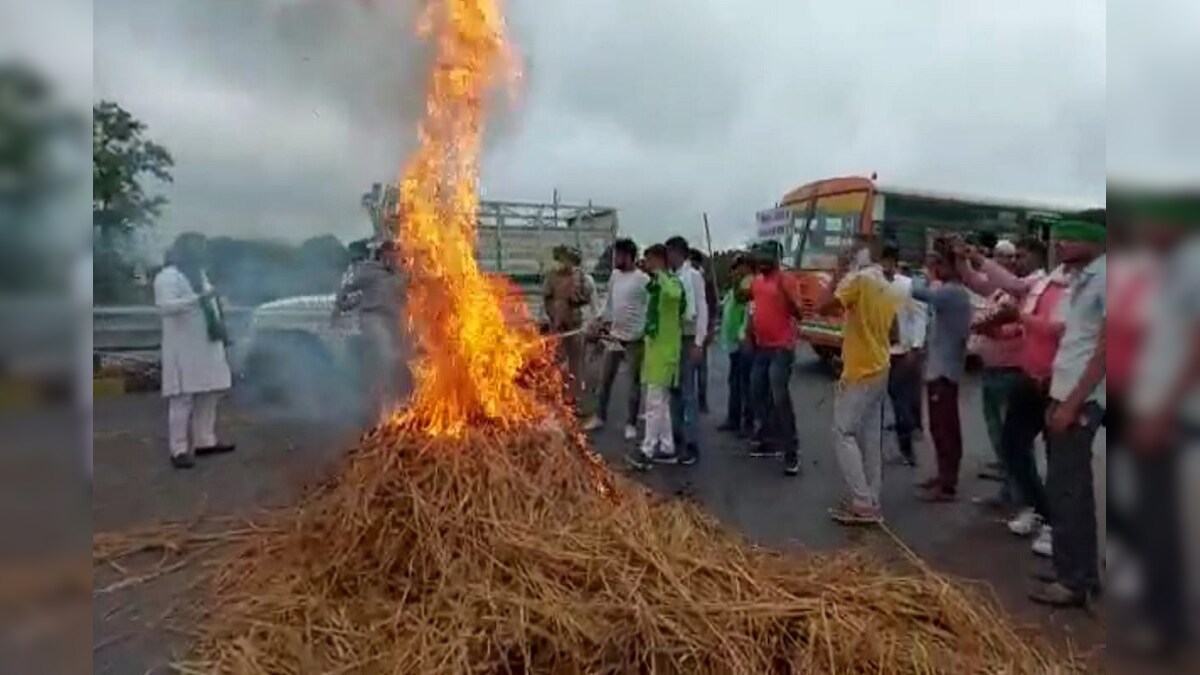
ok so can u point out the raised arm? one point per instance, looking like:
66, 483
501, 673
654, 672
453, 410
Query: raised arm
998, 277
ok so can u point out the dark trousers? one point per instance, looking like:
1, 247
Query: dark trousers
737, 411
1119, 520
1073, 502
904, 390
772, 379
945, 428
1159, 544
610, 366
760, 392
1024, 421
702, 382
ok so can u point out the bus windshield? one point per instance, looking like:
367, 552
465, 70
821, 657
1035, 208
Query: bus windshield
825, 227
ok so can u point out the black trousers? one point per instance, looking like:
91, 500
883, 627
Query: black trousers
1159, 543
1023, 423
738, 415
1070, 487
904, 390
1120, 522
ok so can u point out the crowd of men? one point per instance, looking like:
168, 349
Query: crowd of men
1043, 338
1056, 365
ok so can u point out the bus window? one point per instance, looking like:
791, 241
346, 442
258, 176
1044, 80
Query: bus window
828, 235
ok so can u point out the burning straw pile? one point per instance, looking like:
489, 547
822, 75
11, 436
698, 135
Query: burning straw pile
517, 553
464, 536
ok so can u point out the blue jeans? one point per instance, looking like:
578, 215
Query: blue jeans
772, 399
685, 408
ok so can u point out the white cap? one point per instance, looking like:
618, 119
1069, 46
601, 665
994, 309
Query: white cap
1005, 247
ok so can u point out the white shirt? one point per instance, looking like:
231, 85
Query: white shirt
626, 304
912, 319
695, 313
1086, 305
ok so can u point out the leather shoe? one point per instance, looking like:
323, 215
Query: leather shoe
184, 461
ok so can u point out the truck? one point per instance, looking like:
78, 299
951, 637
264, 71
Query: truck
294, 348
813, 223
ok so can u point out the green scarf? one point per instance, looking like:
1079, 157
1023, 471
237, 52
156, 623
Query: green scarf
1079, 230
214, 320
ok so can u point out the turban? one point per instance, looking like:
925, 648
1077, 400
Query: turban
1079, 230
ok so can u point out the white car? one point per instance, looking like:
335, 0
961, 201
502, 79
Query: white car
295, 354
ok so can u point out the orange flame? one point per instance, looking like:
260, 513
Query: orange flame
470, 360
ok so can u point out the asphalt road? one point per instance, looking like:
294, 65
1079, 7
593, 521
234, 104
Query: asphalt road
278, 455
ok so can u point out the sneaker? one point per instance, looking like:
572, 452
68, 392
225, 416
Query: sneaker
1025, 524
593, 424
691, 455
638, 461
631, 432
1044, 544
661, 457
791, 465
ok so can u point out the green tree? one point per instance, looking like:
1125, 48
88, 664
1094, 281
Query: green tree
37, 136
122, 159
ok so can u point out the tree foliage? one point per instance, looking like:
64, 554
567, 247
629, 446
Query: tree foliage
122, 160
37, 136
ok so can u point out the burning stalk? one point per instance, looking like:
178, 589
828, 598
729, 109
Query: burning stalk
470, 359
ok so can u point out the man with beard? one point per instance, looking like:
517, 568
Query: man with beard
1077, 394
623, 320
195, 370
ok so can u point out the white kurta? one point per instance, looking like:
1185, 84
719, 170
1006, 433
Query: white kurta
191, 362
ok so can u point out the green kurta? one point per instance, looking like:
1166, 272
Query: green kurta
664, 331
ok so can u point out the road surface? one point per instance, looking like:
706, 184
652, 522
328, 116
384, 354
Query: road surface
278, 456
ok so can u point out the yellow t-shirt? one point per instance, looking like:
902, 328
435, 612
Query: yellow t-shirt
871, 307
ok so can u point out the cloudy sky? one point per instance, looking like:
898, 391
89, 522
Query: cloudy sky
281, 112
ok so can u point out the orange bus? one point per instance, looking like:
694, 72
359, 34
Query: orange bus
814, 222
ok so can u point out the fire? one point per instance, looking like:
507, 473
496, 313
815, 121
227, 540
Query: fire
470, 358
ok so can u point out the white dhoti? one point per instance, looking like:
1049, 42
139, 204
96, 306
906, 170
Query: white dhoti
192, 421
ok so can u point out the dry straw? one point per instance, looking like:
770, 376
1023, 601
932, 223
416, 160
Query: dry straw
520, 553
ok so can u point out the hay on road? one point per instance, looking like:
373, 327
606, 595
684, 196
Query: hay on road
513, 553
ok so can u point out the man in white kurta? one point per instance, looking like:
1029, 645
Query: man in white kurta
195, 371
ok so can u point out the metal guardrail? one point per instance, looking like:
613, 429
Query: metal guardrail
139, 328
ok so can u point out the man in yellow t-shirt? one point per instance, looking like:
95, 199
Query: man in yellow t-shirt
860, 290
